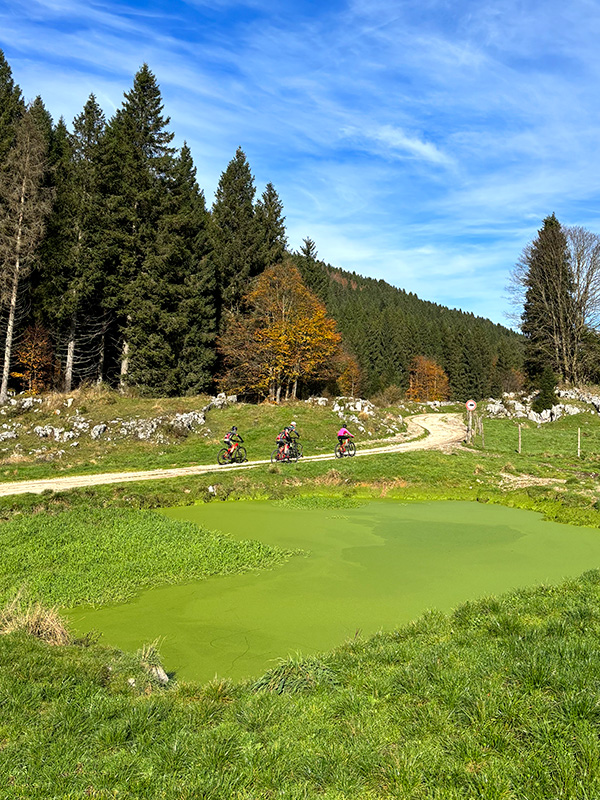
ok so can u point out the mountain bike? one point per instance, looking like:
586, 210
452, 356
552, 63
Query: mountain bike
236, 456
346, 449
279, 455
296, 450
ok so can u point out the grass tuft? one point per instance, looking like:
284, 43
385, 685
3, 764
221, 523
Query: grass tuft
34, 619
297, 675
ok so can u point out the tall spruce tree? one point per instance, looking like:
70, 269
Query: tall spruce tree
235, 235
138, 174
71, 287
313, 271
11, 107
197, 304
271, 227
549, 309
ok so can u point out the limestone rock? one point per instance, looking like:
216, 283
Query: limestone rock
98, 430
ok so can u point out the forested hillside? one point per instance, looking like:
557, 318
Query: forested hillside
114, 270
386, 328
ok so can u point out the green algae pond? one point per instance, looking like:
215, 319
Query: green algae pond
364, 567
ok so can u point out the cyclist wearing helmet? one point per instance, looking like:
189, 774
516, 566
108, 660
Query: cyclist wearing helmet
344, 434
233, 439
293, 431
284, 440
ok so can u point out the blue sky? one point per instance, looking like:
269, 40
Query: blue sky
418, 141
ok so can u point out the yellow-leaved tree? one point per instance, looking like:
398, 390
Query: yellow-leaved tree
282, 337
428, 381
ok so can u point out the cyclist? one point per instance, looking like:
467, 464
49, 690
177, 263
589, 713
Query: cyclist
343, 436
232, 439
284, 440
293, 436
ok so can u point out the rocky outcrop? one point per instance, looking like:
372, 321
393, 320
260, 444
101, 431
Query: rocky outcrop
513, 408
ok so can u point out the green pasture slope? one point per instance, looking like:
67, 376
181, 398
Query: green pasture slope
498, 700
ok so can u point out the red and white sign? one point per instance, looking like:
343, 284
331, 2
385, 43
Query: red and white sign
471, 405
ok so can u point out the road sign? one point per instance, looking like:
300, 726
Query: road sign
471, 405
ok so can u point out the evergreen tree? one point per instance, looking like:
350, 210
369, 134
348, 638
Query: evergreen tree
549, 310
45, 125
197, 307
71, 287
546, 397
235, 235
313, 271
50, 289
271, 228
138, 175
11, 107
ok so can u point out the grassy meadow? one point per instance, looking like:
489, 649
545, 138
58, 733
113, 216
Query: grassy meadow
497, 700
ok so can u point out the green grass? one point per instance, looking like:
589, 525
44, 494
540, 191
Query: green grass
547, 440
106, 555
498, 700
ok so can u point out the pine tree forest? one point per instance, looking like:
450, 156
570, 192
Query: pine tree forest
113, 269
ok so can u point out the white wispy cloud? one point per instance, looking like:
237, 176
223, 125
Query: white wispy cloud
396, 143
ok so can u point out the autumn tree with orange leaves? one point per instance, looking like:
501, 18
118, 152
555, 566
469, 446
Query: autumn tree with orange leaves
35, 360
351, 378
282, 337
427, 381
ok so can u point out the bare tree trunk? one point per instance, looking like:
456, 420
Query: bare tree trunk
70, 356
295, 390
125, 360
100, 377
10, 328
124, 365
278, 397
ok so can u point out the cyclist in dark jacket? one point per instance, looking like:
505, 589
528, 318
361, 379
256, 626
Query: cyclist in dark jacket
233, 439
284, 440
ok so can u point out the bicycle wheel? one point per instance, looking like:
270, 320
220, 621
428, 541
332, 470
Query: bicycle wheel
292, 454
338, 451
223, 456
351, 449
299, 450
275, 456
241, 455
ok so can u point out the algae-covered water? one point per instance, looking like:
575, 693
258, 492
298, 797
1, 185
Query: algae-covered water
367, 568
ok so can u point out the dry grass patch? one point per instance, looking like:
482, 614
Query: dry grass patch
98, 395
522, 481
331, 478
34, 618
384, 486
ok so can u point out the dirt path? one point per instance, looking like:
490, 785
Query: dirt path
444, 430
